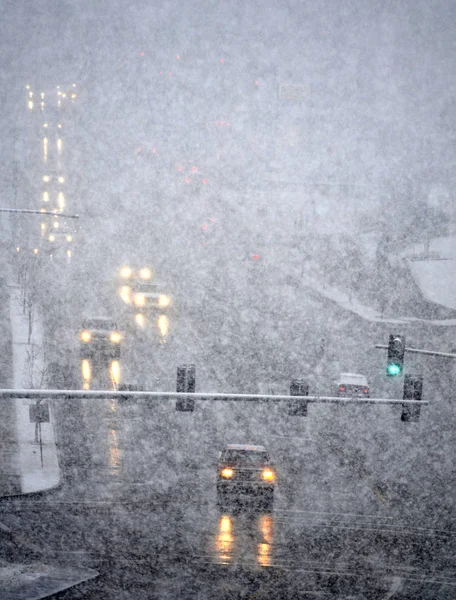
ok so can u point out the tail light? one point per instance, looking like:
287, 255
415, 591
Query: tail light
366, 390
341, 388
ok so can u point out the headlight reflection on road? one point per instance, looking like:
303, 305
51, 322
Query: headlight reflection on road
264, 547
114, 371
114, 452
140, 320
86, 374
163, 326
125, 293
225, 539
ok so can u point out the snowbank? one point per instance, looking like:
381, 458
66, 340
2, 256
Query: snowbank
36, 460
435, 273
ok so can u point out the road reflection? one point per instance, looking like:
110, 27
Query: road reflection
244, 537
114, 452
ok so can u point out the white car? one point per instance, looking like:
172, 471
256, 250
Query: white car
352, 384
149, 295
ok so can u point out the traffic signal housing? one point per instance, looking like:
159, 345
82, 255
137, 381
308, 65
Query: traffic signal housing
298, 408
396, 351
413, 390
186, 382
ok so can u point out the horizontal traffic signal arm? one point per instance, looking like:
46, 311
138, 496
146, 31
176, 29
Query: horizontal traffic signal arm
108, 394
419, 351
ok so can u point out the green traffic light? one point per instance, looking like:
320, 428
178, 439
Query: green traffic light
394, 369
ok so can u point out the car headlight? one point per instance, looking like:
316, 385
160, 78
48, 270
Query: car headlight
145, 273
227, 473
126, 272
139, 299
268, 475
115, 337
86, 336
163, 301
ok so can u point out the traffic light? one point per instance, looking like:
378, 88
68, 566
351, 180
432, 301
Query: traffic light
186, 380
396, 350
298, 408
413, 390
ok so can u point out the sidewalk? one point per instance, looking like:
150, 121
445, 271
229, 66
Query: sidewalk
36, 461
29, 466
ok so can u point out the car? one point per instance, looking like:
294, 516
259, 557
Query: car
149, 295
245, 469
100, 336
352, 384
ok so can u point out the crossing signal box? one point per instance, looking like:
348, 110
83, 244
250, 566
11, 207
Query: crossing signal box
298, 408
186, 382
396, 351
413, 390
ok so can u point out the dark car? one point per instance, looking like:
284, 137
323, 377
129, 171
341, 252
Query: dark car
100, 337
245, 470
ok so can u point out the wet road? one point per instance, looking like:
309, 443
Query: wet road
138, 504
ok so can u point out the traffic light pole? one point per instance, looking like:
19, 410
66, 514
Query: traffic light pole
419, 351
8, 394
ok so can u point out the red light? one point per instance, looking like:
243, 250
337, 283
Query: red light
154, 150
205, 181
212, 219
222, 122
187, 180
222, 60
204, 226
194, 169
142, 53
178, 57
179, 168
256, 257
366, 390
342, 388
139, 150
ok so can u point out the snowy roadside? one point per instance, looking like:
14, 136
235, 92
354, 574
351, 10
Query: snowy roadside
36, 460
37, 580
434, 271
352, 304
22, 572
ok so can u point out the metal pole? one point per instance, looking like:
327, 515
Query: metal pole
108, 394
38, 212
427, 352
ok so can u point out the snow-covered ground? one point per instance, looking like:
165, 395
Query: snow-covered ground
435, 272
352, 304
36, 461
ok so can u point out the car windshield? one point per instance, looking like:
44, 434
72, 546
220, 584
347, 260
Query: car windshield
245, 458
104, 324
226, 223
